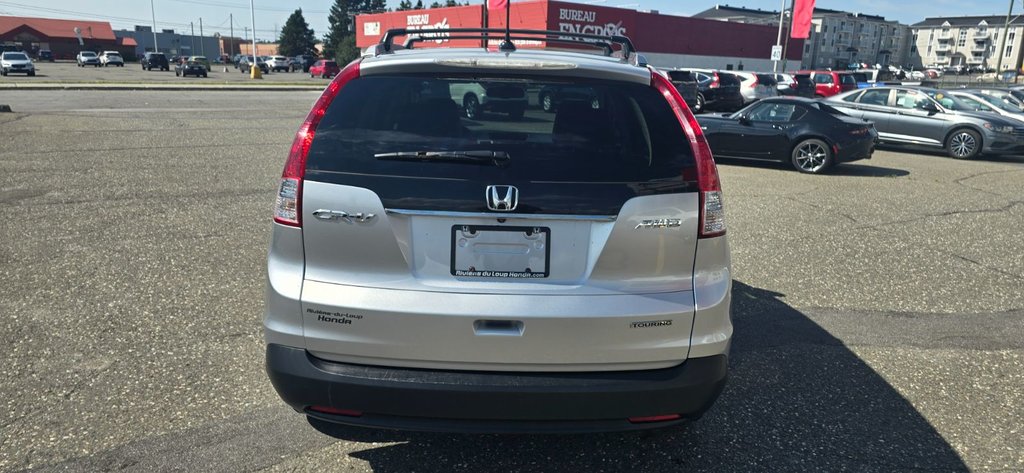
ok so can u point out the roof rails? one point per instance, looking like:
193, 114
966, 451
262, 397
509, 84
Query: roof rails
626, 49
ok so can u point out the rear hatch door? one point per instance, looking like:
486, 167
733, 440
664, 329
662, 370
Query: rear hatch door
499, 241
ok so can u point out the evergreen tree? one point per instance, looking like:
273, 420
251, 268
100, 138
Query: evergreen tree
340, 26
346, 51
378, 5
451, 3
419, 5
435, 5
404, 5
296, 36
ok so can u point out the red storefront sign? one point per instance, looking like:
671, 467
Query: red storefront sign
650, 32
369, 28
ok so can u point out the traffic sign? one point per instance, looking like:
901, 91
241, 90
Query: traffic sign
776, 53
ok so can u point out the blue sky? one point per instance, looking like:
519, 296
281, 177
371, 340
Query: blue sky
271, 14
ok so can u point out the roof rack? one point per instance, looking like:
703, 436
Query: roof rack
606, 43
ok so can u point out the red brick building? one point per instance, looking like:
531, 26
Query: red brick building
59, 36
666, 40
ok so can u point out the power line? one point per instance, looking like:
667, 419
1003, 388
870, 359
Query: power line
209, 3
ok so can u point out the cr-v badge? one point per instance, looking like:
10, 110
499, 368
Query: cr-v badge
502, 198
324, 214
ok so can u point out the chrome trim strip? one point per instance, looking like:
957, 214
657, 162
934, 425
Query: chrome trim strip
438, 213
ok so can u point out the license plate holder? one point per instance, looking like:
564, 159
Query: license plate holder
497, 252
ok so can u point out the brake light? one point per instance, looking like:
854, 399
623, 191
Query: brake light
288, 208
712, 212
715, 83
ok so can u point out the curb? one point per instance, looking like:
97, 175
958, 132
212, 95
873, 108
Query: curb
168, 87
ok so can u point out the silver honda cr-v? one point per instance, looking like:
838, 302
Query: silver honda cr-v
558, 272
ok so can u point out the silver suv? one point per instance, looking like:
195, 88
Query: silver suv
567, 272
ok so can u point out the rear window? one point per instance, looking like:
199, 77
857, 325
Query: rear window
330, 64
601, 131
858, 77
680, 76
766, 79
849, 79
728, 79
823, 78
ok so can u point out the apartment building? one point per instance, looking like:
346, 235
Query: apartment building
971, 41
838, 39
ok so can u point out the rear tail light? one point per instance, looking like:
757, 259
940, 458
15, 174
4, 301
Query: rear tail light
793, 85
715, 83
712, 212
288, 208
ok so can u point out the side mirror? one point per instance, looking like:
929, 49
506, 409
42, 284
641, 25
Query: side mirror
744, 120
931, 108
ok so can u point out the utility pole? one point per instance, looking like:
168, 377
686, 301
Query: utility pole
231, 19
1002, 40
778, 39
202, 44
153, 11
193, 51
785, 46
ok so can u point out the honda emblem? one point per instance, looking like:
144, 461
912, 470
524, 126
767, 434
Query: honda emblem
502, 198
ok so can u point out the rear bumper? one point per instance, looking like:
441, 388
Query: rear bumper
473, 401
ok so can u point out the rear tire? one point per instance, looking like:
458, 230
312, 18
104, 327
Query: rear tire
963, 144
699, 106
812, 156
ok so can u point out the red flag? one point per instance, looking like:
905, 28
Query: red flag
803, 10
496, 4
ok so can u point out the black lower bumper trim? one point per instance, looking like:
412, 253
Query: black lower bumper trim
435, 400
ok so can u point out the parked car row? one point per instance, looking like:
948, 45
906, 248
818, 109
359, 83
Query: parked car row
274, 63
935, 118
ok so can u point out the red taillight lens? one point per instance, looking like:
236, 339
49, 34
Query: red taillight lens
336, 412
715, 83
288, 208
712, 213
649, 419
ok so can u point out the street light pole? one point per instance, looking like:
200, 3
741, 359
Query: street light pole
255, 71
193, 50
153, 11
202, 44
778, 39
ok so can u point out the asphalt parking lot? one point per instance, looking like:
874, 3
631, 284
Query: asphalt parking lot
879, 309
69, 72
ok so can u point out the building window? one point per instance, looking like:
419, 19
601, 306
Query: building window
929, 49
913, 49
961, 40
1010, 36
824, 28
931, 35
1009, 51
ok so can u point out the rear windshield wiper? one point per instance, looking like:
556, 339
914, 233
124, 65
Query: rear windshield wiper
497, 158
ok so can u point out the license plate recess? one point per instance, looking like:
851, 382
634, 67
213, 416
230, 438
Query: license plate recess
497, 252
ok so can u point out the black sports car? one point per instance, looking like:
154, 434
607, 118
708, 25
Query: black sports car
809, 134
